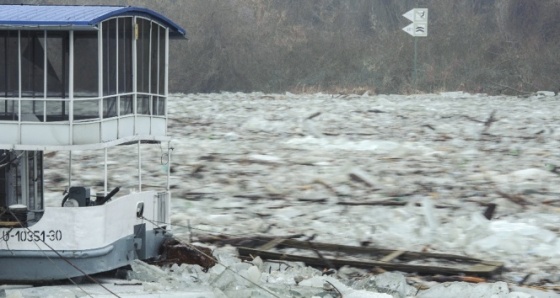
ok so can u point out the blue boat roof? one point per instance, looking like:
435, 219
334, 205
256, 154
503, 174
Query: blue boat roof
74, 17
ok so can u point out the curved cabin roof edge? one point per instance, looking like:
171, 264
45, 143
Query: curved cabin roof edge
80, 17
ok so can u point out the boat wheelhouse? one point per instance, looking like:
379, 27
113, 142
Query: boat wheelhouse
79, 78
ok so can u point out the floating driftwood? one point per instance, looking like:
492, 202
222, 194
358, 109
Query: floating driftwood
174, 251
334, 255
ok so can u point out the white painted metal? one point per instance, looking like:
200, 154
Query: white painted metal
417, 15
169, 151
94, 133
56, 134
69, 169
49, 133
409, 29
84, 132
142, 124
421, 15
150, 97
419, 25
417, 29
158, 73
125, 140
105, 172
126, 126
19, 86
39, 133
409, 15
109, 128
421, 29
159, 125
117, 79
76, 225
24, 164
92, 227
135, 71
35, 178
87, 133
150, 68
100, 73
157, 98
71, 86
45, 65
139, 167
10, 133
166, 74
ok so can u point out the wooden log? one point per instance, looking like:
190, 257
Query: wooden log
368, 264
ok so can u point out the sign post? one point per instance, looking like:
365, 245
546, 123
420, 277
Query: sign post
418, 28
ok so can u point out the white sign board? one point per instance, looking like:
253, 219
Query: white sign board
417, 29
417, 15
419, 25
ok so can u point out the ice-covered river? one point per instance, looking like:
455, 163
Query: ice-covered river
285, 164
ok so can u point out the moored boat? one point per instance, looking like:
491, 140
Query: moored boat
75, 78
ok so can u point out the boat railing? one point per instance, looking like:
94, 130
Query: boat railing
82, 120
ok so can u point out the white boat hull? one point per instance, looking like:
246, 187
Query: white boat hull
73, 241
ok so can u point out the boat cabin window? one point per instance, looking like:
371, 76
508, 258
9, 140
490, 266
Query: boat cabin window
35, 72
125, 36
151, 68
86, 71
9, 70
